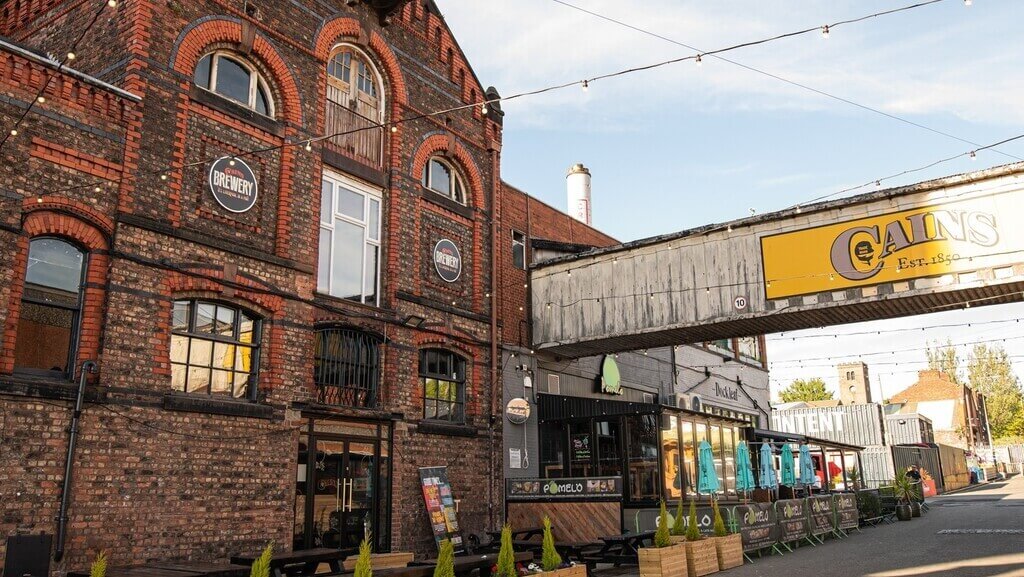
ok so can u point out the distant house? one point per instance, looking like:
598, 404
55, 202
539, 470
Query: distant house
956, 411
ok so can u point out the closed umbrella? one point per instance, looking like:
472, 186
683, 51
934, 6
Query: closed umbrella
806, 466
707, 478
744, 470
767, 479
788, 474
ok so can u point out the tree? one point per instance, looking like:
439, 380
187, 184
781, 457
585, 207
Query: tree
944, 358
806, 390
506, 556
990, 373
549, 559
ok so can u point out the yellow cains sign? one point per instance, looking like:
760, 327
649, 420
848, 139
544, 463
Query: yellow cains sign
923, 242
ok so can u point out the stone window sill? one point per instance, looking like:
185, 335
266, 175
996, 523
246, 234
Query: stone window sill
449, 429
214, 406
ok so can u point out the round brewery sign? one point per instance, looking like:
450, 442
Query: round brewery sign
518, 411
447, 260
233, 184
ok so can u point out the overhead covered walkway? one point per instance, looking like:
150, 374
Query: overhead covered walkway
937, 245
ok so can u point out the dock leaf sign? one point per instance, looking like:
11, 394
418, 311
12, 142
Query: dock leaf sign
610, 380
233, 184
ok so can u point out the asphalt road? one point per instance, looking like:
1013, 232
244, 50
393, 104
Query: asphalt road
917, 547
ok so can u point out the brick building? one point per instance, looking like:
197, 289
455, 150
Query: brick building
281, 338
957, 412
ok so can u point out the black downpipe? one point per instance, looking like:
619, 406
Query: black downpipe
88, 367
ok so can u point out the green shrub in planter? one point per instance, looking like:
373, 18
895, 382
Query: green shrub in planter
99, 566
662, 537
549, 559
692, 530
363, 566
506, 557
679, 526
261, 567
719, 522
445, 560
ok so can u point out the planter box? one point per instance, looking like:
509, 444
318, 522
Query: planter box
730, 551
577, 571
381, 561
701, 557
664, 562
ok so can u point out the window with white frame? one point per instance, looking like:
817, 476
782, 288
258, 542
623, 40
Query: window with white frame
441, 177
518, 250
349, 258
235, 79
750, 349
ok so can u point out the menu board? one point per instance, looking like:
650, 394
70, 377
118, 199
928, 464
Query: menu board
847, 514
820, 514
757, 525
792, 519
581, 447
569, 488
437, 494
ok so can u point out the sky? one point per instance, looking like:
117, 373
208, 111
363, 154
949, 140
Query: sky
683, 145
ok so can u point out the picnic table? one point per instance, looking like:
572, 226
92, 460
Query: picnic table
620, 549
295, 563
207, 569
139, 571
524, 534
464, 566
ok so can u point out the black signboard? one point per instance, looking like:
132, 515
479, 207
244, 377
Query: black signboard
820, 514
447, 260
570, 488
647, 519
792, 517
233, 184
847, 515
757, 525
437, 494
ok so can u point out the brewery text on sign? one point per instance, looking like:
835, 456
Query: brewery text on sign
233, 184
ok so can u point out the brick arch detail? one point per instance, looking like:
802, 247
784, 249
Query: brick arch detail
440, 144
184, 283
195, 39
348, 29
45, 222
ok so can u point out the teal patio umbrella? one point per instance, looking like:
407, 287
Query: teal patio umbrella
744, 470
767, 479
707, 478
788, 474
806, 466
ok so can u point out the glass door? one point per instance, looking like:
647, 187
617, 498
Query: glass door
338, 495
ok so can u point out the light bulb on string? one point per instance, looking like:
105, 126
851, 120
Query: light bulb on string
968, 2
825, 31
973, 155
394, 128
586, 85
309, 145
14, 132
483, 108
698, 61
112, 3
41, 99
71, 55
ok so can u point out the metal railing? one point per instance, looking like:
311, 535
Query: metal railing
364, 140
346, 368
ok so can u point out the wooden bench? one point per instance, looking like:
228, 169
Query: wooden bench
297, 563
381, 561
140, 571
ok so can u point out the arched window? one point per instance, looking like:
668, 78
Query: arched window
443, 377
346, 367
441, 177
214, 349
353, 82
51, 307
355, 105
233, 78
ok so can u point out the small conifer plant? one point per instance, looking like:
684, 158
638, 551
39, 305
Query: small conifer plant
363, 566
679, 526
662, 537
445, 560
261, 568
550, 560
719, 522
506, 557
99, 566
692, 531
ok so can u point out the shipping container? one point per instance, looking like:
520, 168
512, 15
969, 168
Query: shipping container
859, 425
908, 429
953, 461
926, 458
877, 467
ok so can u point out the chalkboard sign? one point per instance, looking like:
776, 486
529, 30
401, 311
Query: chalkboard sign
437, 494
792, 517
757, 524
581, 447
820, 514
847, 514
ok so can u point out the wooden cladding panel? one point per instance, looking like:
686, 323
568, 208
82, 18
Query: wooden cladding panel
571, 522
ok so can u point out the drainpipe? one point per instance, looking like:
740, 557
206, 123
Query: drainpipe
88, 367
495, 288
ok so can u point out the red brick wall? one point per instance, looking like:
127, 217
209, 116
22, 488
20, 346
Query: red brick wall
523, 213
152, 483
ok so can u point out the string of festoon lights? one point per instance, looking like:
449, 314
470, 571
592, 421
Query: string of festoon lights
61, 64
484, 105
893, 352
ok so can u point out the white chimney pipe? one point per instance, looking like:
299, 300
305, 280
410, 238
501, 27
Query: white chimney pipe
577, 183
